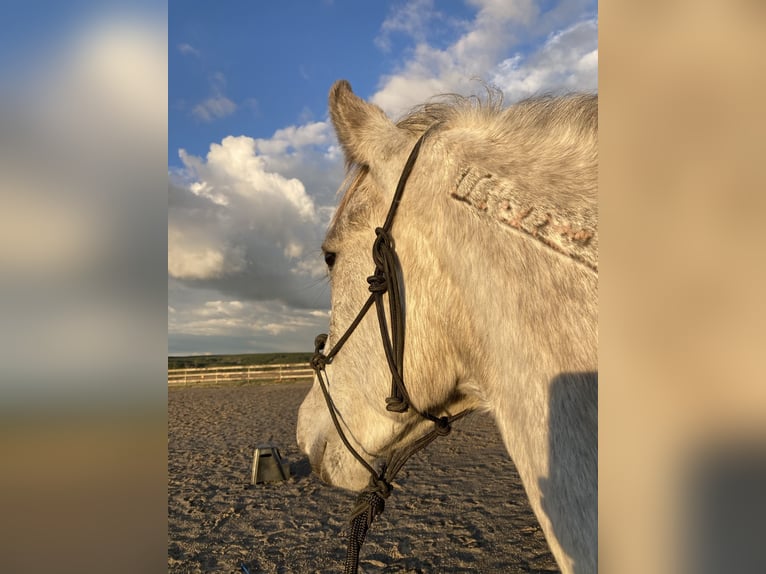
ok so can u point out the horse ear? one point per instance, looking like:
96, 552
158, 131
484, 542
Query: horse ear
363, 129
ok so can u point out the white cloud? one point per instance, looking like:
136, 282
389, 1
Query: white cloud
244, 263
201, 254
245, 174
312, 133
187, 50
503, 11
322, 314
218, 105
220, 317
207, 322
567, 60
245, 224
214, 108
185, 262
293, 250
411, 19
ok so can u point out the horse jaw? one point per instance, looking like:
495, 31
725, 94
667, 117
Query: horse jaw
319, 440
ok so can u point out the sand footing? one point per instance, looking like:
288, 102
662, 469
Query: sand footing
460, 506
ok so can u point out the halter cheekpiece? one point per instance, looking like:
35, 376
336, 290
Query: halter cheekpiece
385, 279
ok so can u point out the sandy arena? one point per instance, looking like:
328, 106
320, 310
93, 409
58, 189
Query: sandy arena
458, 506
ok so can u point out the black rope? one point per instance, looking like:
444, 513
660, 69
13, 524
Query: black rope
385, 279
387, 275
408, 165
371, 501
369, 504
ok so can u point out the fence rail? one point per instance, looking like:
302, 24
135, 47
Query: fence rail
239, 374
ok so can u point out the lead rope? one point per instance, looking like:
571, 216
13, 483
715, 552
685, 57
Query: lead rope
371, 500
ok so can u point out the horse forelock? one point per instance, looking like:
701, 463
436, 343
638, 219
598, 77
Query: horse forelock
349, 212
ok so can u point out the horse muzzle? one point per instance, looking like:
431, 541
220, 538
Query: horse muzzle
318, 439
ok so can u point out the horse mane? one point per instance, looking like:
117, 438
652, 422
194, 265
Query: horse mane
577, 111
446, 108
531, 166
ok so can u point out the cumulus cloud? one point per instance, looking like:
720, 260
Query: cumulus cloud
245, 176
243, 223
200, 254
295, 137
567, 60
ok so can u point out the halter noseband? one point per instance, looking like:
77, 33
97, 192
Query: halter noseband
385, 279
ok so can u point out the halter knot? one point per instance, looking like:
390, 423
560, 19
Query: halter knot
383, 246
378, 282
379, 486
396, 404
372, 500
318, 360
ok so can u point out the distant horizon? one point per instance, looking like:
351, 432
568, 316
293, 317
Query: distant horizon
239, 354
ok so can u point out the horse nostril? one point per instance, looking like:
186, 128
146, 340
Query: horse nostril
316, 461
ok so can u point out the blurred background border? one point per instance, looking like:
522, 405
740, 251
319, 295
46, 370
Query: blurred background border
83, 180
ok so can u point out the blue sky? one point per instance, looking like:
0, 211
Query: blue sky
253, 161
275, 61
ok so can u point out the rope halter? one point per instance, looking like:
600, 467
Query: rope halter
385, 279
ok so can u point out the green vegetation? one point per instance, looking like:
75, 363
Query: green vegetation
193, 362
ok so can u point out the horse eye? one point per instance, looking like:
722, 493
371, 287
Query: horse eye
329, 258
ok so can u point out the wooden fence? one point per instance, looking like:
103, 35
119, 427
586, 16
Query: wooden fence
239, 374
